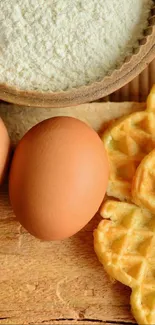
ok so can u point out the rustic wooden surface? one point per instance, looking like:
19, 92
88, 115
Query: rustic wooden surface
138, 89
56, 282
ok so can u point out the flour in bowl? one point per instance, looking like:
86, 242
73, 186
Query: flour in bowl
53, 45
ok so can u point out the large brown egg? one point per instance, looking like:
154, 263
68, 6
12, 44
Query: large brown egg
4, 150
58, 178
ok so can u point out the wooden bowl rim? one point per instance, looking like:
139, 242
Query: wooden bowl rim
127, 72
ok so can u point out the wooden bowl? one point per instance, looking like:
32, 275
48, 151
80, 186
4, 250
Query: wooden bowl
132, 66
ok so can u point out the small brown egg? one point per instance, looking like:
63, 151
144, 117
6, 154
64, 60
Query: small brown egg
58, 177
4, 150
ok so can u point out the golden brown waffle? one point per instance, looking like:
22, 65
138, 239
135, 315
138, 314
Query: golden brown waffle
143, 185
127, 142
125, 245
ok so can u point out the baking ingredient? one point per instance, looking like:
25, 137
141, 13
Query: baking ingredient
57, 45
4, 150
58, 177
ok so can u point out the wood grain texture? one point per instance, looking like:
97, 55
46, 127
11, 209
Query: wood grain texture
138, 89
56, 282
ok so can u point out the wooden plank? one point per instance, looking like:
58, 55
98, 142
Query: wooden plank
46, 281
56, 282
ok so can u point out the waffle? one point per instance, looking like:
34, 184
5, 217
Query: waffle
127, 142
125, 245
143, 189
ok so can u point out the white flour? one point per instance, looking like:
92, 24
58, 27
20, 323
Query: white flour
59, 44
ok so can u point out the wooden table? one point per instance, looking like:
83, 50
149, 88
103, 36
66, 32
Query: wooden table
60, 282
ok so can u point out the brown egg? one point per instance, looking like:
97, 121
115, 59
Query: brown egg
4, 150
58, 177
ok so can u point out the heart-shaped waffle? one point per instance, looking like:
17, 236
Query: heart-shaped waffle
125, 245
127, 142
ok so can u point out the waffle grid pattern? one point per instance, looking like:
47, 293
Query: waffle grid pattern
125, 245
127, 142
143, 185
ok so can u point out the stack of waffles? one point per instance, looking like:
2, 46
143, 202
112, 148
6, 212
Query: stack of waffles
124, 241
